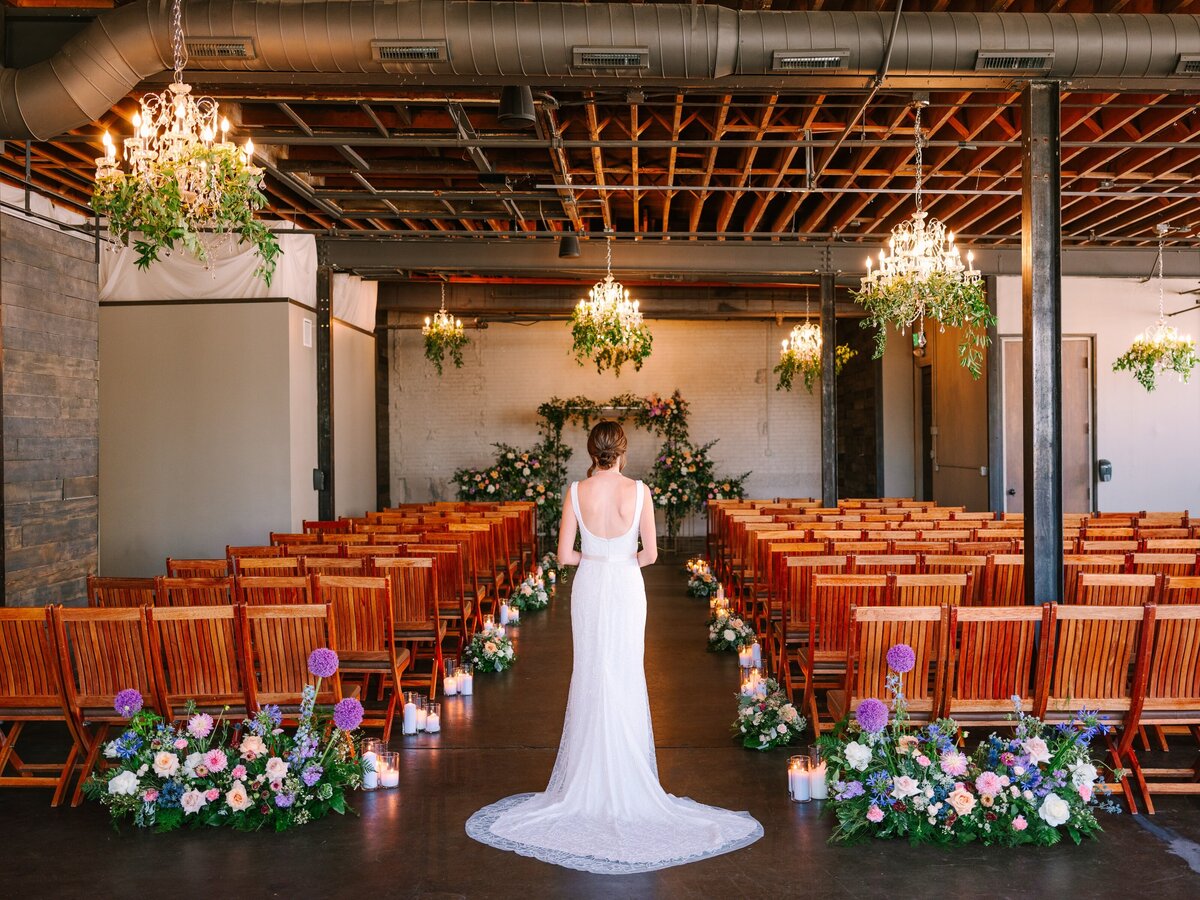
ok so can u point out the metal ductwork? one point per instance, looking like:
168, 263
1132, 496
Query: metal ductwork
545, 44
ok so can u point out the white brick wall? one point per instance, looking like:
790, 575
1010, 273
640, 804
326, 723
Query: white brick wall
722, 368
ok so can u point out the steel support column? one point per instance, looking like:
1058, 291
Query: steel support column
323, 478
828, 392
995, 406
1041, 329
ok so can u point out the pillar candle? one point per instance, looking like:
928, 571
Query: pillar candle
514, 615
433, 724
422, 718
466, 684
798, 785
410, 718
390, 778
370, 771
504, 614
746, 657
816, 782
450, 685
755, 654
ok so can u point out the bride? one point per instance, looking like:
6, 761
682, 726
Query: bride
604, 810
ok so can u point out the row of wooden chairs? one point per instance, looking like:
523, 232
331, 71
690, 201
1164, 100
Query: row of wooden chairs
67, 664
1138, 666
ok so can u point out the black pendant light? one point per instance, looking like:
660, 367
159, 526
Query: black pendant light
516, 107
568, 246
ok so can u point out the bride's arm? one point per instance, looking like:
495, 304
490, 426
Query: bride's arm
567, 554
649, 551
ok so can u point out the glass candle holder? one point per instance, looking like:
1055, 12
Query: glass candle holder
466, 679
409, 722
422, 712
433, 719
818, 786
799, 768
372, 748
389, 769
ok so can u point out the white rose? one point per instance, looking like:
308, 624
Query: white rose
276, 768
189, 764
166, 764
904, 786
1083, 774
1037, 750
125, 783
858, 756
508, 651
1054, 810
728, 634
110, 750
192, 802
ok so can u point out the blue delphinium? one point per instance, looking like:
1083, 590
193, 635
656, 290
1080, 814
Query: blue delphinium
128, 745
169, 794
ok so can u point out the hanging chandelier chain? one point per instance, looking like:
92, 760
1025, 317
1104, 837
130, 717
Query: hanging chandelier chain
920, 160
608, 256
443, 304
177, 44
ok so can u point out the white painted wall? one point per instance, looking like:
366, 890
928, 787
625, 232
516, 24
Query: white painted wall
1151, 438
302, 420
353, 420
723, 370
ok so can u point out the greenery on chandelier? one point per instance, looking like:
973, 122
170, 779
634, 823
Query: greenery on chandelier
1161, 352
682, 478
946, 299
157, 215
442, 343
793, 363
609, 340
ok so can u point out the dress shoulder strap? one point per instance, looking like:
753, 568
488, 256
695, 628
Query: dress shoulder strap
641, 501
575, 501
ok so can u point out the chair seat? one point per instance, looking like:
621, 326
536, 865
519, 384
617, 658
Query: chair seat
836, 701
371, 660
824, 661
420, 633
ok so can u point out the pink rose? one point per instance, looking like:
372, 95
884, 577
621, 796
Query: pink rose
875, 814
922, 760
1037, 750
1085, 793
150, 796
1019, 823
180, 743
212, 794
962, 800
238, 773
988, 784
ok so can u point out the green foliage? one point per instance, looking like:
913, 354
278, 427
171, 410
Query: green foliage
946, 300
1146, 359
609, 343
682, 480
440, 343
156, 217
792, 364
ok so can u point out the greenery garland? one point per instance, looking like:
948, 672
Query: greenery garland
947, 300
1147, 358
158, 214
440, 343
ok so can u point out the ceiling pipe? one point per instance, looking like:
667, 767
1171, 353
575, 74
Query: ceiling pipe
540, 44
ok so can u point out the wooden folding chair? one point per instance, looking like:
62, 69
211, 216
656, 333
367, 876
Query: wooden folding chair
1166, 564
115, 593
31, 690
1004, 580
232, 553
822, 661
264, 566
323, 526
1181, 589
1094, 546
1097, 662
275, 590
873, 631
790, 633
473, 591
333, 537
282, 538
361, 609
197, 568
416, 614
1171, 696
277, 641
1116, 590
993, 658
323, 565
959, 564
854, 548
887, 564
196, 652
983, 547
193, 591
1171, 545
950, 589
101, 653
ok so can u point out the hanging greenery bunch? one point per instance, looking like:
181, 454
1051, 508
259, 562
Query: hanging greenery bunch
440, 344
1161, 348
609, 339
793, 363
157, 213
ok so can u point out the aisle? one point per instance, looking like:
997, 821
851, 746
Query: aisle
410, 843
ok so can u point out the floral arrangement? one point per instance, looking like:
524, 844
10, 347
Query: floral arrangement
682, 480
764, 722
490, 651
555, 573
793, 363
950, 301
531, 594
157, 213
703, 584
166, 776
889, 779
729, 631
609, 334
445, 341
1160, 350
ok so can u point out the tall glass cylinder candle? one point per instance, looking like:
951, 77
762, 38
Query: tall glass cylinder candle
450, 681
433, 721
817, 784
746, 657
422, 712
409, 723
389, 769
504, 609
798, 775
466, 679
755, 654
371, 748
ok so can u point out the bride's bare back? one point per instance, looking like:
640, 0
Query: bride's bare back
607, 505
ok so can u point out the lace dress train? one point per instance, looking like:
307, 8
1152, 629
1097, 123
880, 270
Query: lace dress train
604, 810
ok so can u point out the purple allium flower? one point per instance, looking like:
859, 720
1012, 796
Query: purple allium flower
128, 702
900, 658
348, 714
323, 662
872, 715
283, 801
311, 775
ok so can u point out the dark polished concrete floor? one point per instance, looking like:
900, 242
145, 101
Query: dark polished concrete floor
411, 843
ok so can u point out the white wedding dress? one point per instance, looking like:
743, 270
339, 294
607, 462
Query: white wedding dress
604, 810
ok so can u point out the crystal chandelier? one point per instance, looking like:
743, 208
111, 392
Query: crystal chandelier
607, 328
801, 354
180, 176
444, 334
921, 275
1160, 348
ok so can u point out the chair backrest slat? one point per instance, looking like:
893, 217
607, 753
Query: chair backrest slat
829, 607
103, 652
414, 589
29, 676
361, 610
193, 591
195, 650
197, 568
119, 592
278, 641
275, 590
949, 589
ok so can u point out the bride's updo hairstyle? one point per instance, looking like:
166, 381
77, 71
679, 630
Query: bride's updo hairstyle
606, 444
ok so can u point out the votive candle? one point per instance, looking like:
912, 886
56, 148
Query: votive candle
798, 779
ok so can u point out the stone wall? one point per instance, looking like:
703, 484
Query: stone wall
48, 289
